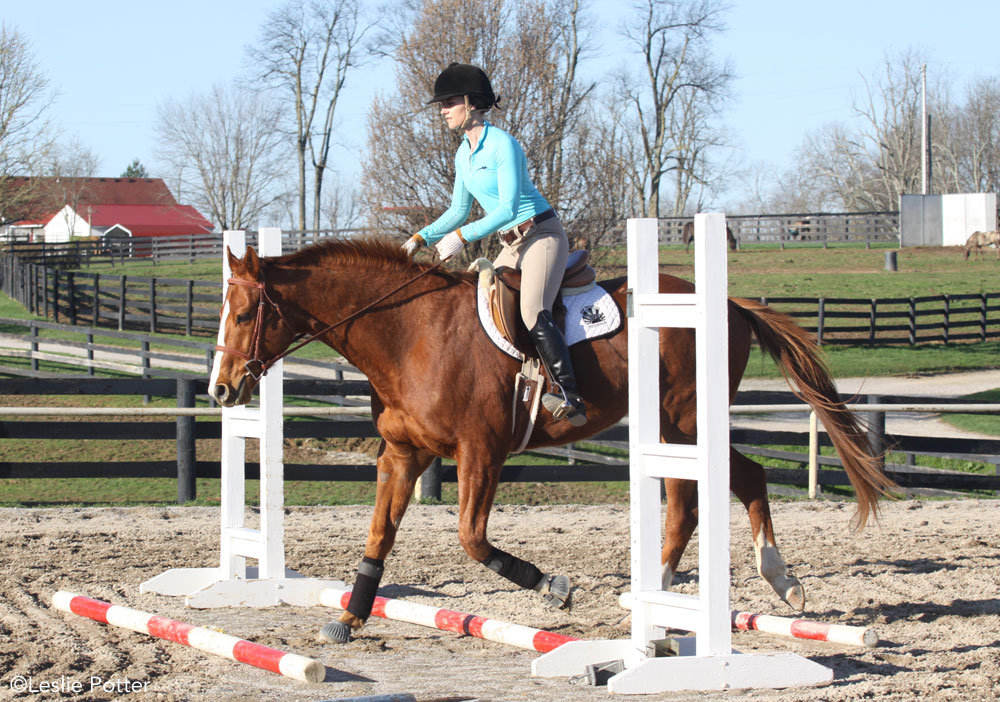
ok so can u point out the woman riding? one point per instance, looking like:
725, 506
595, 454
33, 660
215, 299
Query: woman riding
490, 166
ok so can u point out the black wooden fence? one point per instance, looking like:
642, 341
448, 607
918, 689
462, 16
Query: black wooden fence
905, 320
185, 431
191, 247
191, 307
171, 305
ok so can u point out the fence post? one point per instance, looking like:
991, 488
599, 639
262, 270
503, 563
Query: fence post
34, 346
189, 300
90, 353
820, 314
97, 299
71, 296
152, 305
913, 321
871, 322
55, 295
145, 367
430, 481
947, 317
876, 429
982, 316
121, 303
186, 457
814, 488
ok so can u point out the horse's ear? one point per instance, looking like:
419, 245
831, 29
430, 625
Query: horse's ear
252, 263
234, 262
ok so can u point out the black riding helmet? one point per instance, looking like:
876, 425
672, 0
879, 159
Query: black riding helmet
463, 79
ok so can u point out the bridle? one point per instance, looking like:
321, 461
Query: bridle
254, 356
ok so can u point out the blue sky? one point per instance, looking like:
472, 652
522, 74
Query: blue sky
797, 62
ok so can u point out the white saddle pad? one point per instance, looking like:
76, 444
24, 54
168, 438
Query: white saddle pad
590, 314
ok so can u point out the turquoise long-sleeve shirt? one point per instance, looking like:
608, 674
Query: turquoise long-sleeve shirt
496, 175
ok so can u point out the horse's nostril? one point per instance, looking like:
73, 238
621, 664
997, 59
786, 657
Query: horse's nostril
220, 393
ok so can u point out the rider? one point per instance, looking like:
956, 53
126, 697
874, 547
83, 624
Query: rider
490, 166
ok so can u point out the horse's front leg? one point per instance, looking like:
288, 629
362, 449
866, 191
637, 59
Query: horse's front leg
679, 525
477, 484
399, 466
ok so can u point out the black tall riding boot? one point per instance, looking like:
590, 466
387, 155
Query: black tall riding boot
552, 349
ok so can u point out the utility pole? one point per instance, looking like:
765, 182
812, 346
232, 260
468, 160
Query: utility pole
923, 130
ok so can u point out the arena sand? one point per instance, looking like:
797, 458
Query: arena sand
927, 577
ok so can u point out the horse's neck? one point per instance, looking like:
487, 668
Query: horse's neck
376, 338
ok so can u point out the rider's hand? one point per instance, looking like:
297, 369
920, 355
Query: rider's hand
412, 244
450, 245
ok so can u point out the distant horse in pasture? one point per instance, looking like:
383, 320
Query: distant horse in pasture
980, 240
688, 235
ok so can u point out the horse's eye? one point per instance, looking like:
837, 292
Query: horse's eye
243, 318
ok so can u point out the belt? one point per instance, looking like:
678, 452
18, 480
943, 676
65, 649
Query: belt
509, 236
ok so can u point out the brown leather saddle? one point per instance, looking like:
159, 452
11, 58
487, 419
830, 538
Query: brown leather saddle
505, 299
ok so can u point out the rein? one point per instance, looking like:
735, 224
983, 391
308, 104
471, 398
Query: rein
258, 323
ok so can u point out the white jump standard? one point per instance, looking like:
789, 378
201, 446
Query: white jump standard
233, 583
712, 664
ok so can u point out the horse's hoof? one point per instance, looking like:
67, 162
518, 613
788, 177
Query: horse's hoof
334, 632
795, 596
555, 591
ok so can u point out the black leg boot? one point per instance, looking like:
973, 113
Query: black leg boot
552, 349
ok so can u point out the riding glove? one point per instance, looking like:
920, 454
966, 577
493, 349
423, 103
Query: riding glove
412, 244
450, 245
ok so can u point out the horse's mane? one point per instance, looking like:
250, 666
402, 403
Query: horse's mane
371, 252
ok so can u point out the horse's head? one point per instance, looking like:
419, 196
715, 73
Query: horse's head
251, 332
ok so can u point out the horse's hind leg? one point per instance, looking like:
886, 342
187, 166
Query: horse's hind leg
748, 482
398, 467
477, 484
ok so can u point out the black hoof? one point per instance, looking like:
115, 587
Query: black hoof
555, 591
335, 632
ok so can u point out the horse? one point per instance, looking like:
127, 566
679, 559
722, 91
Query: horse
439, 387
980, 240
687, 234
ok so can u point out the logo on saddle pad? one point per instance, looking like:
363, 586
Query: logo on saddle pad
591, 314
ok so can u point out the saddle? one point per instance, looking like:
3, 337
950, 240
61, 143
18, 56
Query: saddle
502, 287
504, 294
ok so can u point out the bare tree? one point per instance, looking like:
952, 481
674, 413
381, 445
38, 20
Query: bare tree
24, 130
967, 140
680, 90
869, 163
306, 51
341, 205
71, 165
224, 151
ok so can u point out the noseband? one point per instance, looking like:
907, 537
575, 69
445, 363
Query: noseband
254, 356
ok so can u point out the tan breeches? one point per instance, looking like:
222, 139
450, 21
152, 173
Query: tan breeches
540, 255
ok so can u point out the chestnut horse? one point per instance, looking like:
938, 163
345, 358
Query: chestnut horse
439, 387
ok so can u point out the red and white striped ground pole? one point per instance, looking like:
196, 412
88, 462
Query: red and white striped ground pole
450, 620
290, 665
805, 629
791, 627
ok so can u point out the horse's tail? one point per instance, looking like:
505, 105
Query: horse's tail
797, 355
